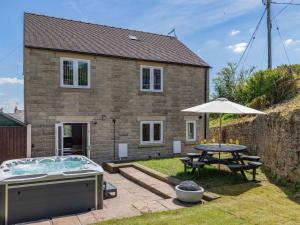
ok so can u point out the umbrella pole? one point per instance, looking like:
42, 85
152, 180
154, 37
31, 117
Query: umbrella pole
220, 139
220, 130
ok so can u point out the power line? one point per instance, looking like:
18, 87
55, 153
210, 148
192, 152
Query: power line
283, 45
285, 3
248, 52
251, 39
284, 8
264, 53
11, 52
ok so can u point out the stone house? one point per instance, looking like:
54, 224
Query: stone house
108, 92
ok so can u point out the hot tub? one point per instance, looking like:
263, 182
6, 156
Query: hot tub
41, 188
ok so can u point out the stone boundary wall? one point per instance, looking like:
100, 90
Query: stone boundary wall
275, 137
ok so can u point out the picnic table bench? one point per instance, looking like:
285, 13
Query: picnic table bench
236, 163
243, 167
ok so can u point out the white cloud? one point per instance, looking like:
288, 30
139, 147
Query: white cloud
297, 49
2, 94
9, 104
291, 41
11, 80
234, 32
237, 48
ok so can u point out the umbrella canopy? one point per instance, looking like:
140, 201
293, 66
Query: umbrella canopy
222, 105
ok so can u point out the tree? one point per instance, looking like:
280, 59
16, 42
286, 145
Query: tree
229, 84
225, 82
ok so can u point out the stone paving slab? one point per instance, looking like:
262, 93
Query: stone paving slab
66, 220
115, 213
149, 206
132, 200
44, 222
86, 218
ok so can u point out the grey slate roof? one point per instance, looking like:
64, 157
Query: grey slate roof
69, 35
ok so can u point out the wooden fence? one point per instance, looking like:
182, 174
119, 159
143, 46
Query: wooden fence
12, 143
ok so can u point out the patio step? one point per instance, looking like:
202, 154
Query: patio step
152, 184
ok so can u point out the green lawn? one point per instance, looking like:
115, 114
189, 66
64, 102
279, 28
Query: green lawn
210, 177
240, 202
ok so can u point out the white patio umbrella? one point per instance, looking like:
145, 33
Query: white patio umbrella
221, 106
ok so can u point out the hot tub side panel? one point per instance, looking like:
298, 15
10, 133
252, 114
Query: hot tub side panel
2, 204
41, 201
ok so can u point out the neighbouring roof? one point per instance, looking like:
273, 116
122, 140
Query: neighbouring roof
18, 115
68, 35
12, 119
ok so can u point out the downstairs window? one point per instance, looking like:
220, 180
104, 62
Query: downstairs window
191, 130
151, 132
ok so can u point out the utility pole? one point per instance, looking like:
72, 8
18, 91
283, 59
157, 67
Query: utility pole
269, 26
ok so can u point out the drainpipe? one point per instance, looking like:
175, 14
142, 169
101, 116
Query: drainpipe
114, 122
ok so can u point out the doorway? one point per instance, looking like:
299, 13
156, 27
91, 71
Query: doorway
72, 139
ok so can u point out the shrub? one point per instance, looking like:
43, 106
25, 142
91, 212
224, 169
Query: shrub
272, 86
260, 89
259, 102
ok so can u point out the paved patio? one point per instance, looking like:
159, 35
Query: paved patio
132, 200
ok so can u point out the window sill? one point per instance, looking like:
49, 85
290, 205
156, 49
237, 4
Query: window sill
74, 89
190, 142
151, 145
155, 93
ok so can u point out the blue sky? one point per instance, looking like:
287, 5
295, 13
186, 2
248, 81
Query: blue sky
217, 31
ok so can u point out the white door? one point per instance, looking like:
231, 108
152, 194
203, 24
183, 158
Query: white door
59, 132
89, 148
86, 137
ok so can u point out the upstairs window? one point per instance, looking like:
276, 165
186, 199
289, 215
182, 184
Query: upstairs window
151, 132
74, 73
191, 130
68, 73
151, 79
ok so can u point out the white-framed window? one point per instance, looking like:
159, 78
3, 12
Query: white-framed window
151, 78
151, 132
74, 73
191, 130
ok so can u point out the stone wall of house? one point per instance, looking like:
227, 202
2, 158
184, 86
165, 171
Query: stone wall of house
275, 137
114, 94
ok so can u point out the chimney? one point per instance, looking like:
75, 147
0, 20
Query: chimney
16, 109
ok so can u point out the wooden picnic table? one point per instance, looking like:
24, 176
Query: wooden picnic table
221, 148
233, 149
